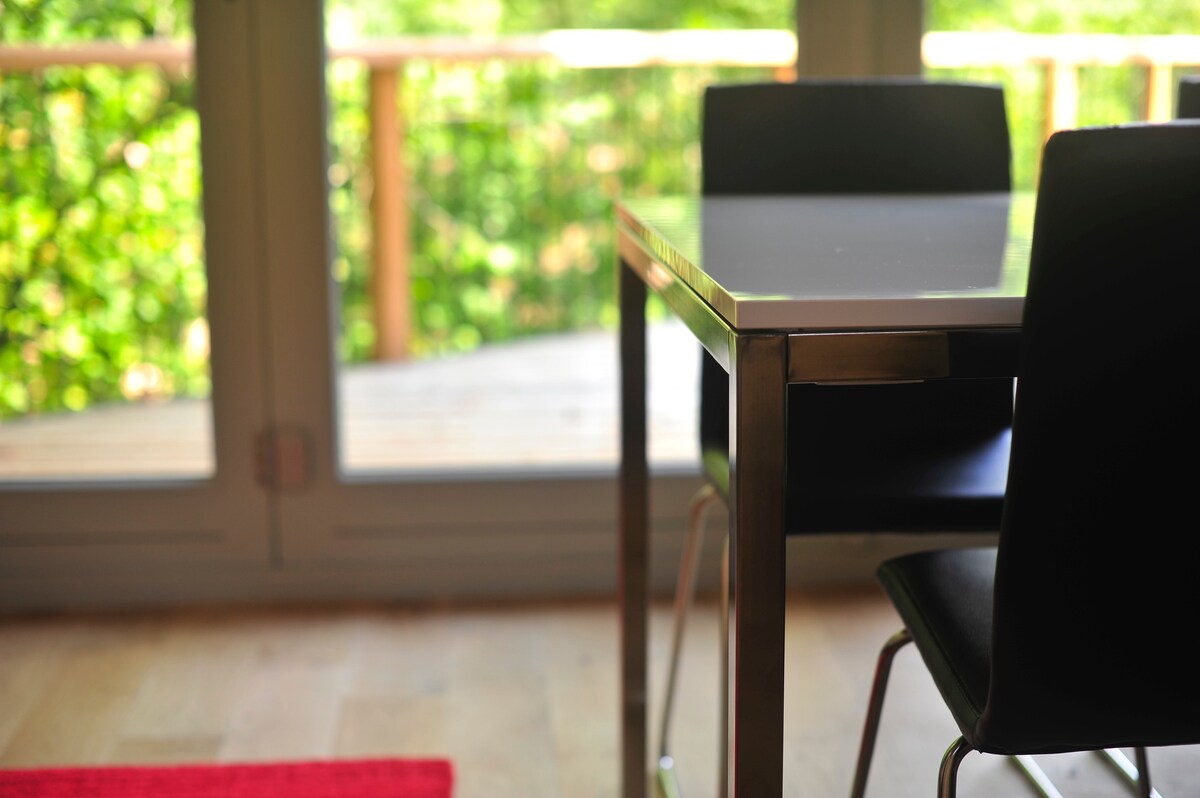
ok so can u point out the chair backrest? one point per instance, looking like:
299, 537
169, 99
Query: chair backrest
904, 135
1188, 106
884, 135
1097, 593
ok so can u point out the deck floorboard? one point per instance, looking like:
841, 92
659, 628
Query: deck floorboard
542, 402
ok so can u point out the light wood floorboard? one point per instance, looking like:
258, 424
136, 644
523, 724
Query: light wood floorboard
522, 698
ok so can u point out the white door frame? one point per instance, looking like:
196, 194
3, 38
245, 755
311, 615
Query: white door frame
66, 543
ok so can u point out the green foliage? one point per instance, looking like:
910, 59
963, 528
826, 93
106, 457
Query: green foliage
101, 271
515, 170
1128, 17
515, 166
65, 21
369, 18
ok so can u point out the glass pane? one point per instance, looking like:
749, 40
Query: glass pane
104, 369
484, 216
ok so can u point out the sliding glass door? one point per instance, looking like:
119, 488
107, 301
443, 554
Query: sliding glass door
131, 353
216, 438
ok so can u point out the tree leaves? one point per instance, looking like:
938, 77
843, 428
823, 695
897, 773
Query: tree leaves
99, 272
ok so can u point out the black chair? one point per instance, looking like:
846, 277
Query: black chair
1076, 632
1188, 106
852, 462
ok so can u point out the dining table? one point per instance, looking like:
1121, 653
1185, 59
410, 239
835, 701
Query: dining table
785, 289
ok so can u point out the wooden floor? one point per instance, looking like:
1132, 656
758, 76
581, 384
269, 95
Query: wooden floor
522, 698
541, 402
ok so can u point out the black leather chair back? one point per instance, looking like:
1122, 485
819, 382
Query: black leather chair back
889, 135
903, 135
1188, 106
1099, 539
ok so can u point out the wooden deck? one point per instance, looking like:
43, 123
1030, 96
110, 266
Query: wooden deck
545, 402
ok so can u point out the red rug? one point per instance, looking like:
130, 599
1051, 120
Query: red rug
350, 778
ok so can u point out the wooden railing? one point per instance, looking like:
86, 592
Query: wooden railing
1060, 56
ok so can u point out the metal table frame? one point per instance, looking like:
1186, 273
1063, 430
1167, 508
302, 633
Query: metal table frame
761, 363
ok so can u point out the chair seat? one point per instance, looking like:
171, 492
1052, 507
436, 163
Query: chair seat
944, 599
904, 484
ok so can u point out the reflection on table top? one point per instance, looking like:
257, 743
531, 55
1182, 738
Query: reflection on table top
845, 261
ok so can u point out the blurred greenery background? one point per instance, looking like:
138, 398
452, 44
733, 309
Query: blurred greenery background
514, 170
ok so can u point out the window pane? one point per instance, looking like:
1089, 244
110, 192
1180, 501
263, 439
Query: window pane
104, 368
472, 191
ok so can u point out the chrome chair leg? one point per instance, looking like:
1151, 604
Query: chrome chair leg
948, 772
1143, 769
685, 591
723, 712
866, 749
1033, 771
1138, 775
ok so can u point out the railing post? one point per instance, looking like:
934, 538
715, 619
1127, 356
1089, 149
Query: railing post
389, 217
858, 38
1160, 92
784, 74
1062, 95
